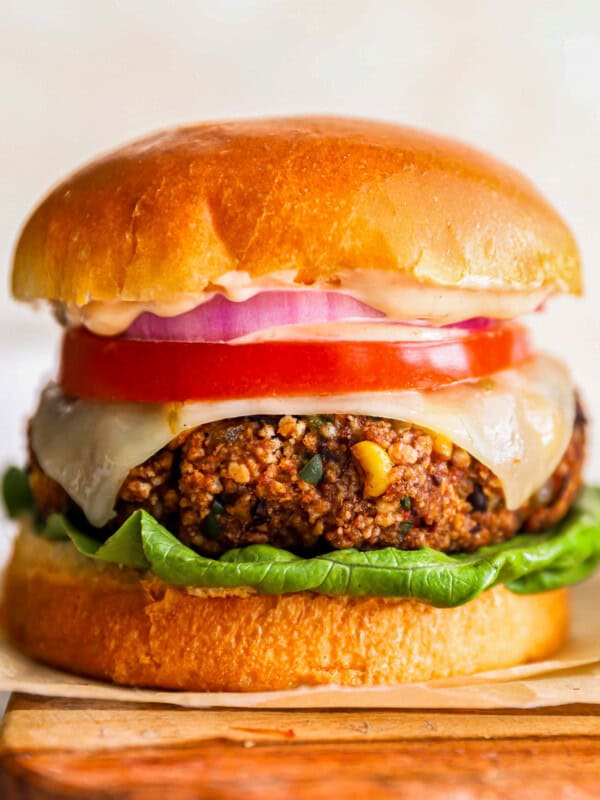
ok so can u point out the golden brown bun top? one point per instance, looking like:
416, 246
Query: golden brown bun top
169, 214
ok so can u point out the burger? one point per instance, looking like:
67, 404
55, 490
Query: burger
297, 435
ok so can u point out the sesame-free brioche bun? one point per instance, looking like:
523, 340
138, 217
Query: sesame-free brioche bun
166, 216
105, 622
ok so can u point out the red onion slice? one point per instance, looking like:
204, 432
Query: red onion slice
473, 324
221, 320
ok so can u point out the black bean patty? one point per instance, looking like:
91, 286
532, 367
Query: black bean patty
294, 482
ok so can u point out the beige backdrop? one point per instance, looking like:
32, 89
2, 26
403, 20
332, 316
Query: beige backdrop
521, 79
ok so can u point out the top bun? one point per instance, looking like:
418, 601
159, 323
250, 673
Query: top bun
165, 216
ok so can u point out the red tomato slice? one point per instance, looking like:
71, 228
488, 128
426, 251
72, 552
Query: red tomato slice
160, 372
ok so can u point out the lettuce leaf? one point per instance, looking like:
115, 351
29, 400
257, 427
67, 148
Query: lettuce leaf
528, 563
16, 492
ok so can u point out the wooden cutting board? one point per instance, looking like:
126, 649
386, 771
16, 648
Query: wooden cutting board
53, 748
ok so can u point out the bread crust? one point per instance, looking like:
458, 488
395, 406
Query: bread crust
104, 622
165, 216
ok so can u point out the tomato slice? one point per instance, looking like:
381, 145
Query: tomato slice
160, 372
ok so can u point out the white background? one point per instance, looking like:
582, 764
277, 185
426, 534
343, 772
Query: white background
521, 79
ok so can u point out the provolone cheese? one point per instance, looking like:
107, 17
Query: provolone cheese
517, 422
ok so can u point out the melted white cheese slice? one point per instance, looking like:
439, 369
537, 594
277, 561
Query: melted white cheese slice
517, 422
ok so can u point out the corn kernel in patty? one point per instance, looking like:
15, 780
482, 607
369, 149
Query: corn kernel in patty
376, 465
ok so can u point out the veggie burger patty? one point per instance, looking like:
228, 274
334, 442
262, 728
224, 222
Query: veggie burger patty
310, 484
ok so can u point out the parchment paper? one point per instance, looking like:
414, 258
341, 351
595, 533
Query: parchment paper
571, 676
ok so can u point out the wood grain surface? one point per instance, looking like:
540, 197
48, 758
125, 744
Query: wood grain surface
52, 748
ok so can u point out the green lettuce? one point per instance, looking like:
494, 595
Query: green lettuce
528, 563
16, 492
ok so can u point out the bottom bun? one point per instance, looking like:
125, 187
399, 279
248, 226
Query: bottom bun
106, 622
